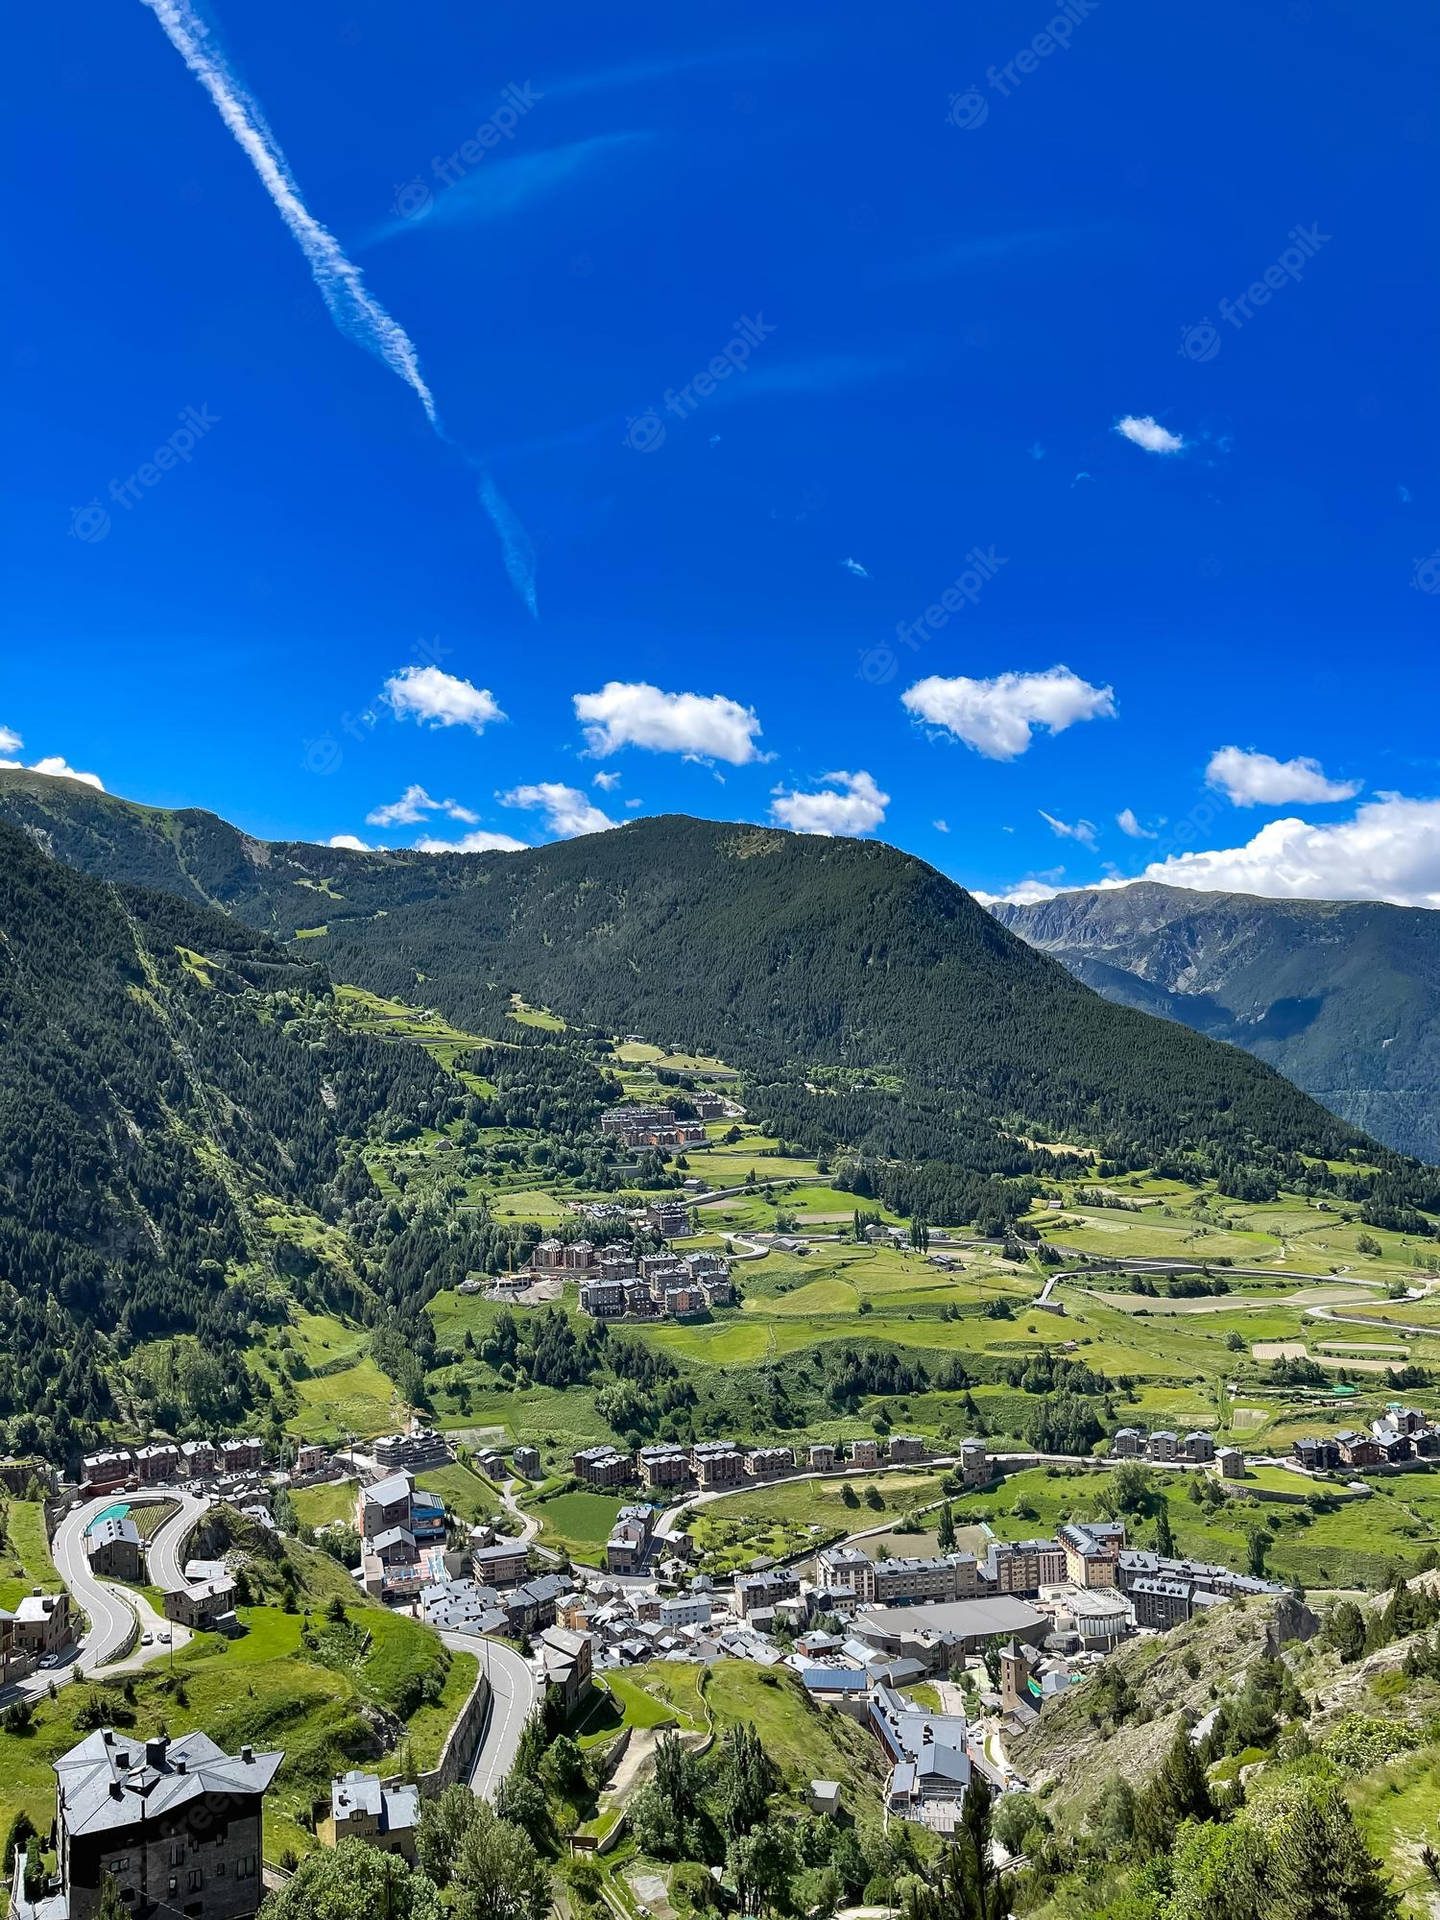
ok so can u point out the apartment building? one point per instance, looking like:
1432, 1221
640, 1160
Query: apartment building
906, 1446
1163, 1603
157, 1465
664, 1466
763, 1463
864, 1453
42, 1624
1127, 1444
603, 1466
503, 1565
112, 1546
717, 1463
669, 1218
412, 1452
1092, 1550
756, 1592
106, 1472
822, 1457
974, 1463
242, 1456
629, 1544
177, 1824
1025, 1566
908, 1582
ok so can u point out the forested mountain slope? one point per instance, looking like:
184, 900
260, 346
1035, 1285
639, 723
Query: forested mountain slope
1342, 997
164, 1071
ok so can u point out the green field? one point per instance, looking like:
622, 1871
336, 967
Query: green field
331, 1500
577, 1523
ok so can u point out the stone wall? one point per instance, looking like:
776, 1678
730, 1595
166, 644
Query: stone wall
457, 1756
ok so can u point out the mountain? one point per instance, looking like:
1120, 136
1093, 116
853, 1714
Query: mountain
952, 1040
1342, 997
179, 1113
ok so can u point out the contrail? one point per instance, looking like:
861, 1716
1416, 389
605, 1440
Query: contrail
353, 308
514, 541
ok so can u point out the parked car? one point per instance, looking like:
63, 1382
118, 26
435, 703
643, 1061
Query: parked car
147, 1639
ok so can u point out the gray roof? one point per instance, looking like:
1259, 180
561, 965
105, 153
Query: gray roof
396, 1808
392, 1536
964, 1618
384, 1493
100, 1533
114, 1780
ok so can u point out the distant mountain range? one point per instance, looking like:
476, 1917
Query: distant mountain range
1342, 997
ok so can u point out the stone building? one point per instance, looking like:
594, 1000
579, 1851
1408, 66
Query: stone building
178, 1824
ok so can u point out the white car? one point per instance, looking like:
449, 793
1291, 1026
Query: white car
49, 1660
163, 1638
147, 1639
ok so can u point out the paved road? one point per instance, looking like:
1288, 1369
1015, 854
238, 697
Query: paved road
113, 1610
166, 1560
514, 1690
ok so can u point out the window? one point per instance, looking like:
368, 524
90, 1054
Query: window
177, 1855
245, 1867
196, 1881
174, 1886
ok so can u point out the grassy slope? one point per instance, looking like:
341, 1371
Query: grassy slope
263, 1689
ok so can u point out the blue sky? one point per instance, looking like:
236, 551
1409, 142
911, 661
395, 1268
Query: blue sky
946, 259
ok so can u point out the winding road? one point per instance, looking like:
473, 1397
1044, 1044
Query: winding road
117, 1614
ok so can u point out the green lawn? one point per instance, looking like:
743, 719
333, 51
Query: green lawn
577, 1523
25, 1561
467, 1495
331, 1500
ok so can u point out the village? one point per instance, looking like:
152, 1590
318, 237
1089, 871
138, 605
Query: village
998, 1630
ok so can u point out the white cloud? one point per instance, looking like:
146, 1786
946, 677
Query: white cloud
702, 726
995, 717
856, 805
481, 842
52, 763
440, 699
1390, 850
10, 741
1145, 431
413, 805
1258, 780
1129, 825
348, 840
1081, 830
1025, 893
567, 811
607, 782
940, 826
